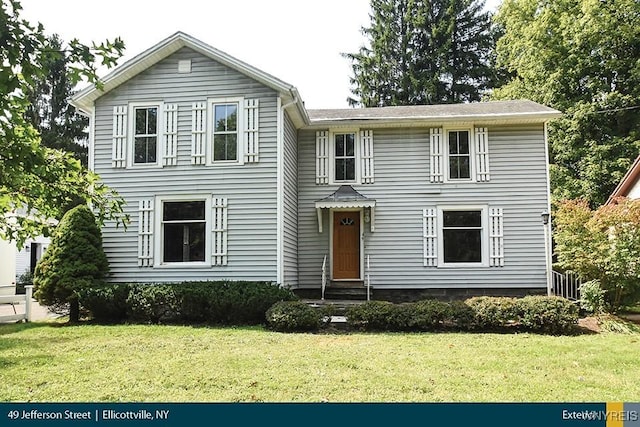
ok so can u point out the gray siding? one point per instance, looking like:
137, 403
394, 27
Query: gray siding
290, 211
250, 188
402, 189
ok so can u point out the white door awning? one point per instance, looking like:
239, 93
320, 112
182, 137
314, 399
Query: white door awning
346, 197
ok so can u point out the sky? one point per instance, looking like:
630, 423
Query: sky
297, 41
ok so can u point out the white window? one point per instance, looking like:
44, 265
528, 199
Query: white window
462, 236
225, 131
344, 157
459, 155
145, 134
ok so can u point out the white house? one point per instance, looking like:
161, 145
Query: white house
227, 175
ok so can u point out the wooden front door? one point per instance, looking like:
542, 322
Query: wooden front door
346, 245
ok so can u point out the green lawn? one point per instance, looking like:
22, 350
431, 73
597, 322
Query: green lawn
49, 362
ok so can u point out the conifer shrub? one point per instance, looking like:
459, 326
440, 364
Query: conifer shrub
73, 261
106, 302
293, 316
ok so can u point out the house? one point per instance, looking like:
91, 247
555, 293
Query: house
630, 184
227, 175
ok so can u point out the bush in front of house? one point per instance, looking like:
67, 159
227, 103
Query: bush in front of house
428, 315
493, 312
293, 316
74, 261
218, 302
553, 315
106, 302
373, 316
459, 316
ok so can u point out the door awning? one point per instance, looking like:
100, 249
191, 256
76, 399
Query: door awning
346, 197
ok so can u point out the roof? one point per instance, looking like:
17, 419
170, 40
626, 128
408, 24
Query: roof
85, 99
494, 111
628, 181
345, 193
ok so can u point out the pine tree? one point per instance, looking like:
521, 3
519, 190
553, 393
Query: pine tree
73, 261
423, 52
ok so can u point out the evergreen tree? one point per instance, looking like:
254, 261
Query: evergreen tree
49, 111
423, 52
73, 261
581, 57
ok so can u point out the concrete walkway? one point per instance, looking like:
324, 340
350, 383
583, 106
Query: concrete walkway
39, 313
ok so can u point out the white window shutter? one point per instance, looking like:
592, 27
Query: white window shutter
145, 233
170, 123
430, 237
219, 231
482, 154
496, 238
119, 147
436, 174
198, 133
251, 136
322, 157
366, 141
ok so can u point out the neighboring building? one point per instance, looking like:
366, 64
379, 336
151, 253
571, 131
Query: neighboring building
630, 184
226, 175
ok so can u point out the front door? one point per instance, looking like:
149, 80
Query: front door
346, 245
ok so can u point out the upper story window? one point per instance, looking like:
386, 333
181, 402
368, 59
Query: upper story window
145, 137
225, 132
345, 157
459, 154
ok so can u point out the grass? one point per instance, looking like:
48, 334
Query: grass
49, 362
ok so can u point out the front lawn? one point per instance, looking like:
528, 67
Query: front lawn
50, 362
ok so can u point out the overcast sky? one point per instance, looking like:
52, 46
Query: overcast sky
298, 41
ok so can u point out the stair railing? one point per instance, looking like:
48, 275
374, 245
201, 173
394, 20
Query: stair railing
324, 275
368, 278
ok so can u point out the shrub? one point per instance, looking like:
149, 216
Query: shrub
153, 303
459, 316
372, 315
106, 302
554, 315
492, 312
75, 260
428, 315
592, 297
293, 316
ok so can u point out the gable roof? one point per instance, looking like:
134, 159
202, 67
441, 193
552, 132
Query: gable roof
521, 111
630, 178
85, 99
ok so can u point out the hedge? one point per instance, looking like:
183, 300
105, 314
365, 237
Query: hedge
217, 302
293, 316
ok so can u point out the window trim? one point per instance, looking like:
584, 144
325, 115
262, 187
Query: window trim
240, 130
158, 245
484, 245
131, 129
332, 155
472, 153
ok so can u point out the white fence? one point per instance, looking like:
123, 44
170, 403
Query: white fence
8, 296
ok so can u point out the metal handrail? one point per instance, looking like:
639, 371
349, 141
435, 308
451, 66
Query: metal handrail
324, 275
566, 285
368, 278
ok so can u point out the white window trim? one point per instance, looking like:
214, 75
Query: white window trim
211, 102
485, 235
158, 241
131, 134
472, 153
332, 156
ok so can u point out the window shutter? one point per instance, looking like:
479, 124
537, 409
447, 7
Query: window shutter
430, 237
482, 155
322, 157
251, 137
219, 229
436, 163
145, 233
119, 148
366, 140
198, 133
170, 123
496, 239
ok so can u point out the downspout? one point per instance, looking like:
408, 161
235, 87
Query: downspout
548, 230
280, 187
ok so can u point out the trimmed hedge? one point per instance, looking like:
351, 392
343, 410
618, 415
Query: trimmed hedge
553, 315
220, 302
293, 316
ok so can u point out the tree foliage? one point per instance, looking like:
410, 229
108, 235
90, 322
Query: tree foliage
602, 245
423, 52
581, 57
49, 111
36, 182
73, 261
